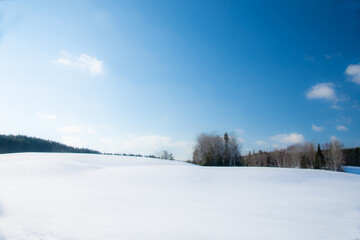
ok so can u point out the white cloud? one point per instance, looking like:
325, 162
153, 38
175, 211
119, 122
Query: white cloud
292, 138
71, 129
107, 141
154, 143
74, 141
323, 91
341, 128
356, 105
82, 62
240, 140
46, 116
151, 142
75, 129
108, 145
277, 146
333, 139
91, 131
239, 131
333, 55
353, 71
261, 143
317, 128
337, 107
344, 120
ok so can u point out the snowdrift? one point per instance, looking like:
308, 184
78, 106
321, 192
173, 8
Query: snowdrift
86, 197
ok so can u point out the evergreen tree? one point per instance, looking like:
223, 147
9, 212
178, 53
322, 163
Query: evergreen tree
226, 154
319, 161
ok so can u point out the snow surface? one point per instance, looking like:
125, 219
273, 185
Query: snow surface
85, 197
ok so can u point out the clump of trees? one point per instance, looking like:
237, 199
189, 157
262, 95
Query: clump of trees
166, 155
300, 156
216, 150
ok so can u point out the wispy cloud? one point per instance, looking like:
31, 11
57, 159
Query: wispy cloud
278, 146
74, 141
341, 128
317, 128
287, 139
91, 131
46, 116
75, 129
337, 107
309, 58
324, 91
239, 131
240, 140
344, 120
262, 143
353, 71
71, 129
332, 56
356, 105
83, 62
155, 143
333, 139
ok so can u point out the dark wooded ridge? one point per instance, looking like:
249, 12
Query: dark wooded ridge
21, 143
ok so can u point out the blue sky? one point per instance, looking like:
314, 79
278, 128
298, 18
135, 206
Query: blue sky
141, 76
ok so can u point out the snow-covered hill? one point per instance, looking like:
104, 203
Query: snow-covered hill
86, 197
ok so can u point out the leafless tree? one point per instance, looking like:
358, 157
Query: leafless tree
166, 155
234, 151
308, 151
334, 155
300, 155
279, 157
294, 155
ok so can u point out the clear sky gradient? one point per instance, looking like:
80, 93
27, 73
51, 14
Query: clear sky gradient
141, 76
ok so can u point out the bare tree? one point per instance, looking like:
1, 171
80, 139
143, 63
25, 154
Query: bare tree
334, 155
279, 157
166, 155
294, 154
207, 149
308, 155
234, 151
300, 155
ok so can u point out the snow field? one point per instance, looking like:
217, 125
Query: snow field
80, 196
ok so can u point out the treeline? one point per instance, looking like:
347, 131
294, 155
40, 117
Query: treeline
331, 157
20, 143
216, 150
164, 154
352, 156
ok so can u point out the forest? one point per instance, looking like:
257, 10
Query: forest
20, 143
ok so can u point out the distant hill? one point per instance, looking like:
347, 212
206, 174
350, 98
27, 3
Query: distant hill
20, 143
